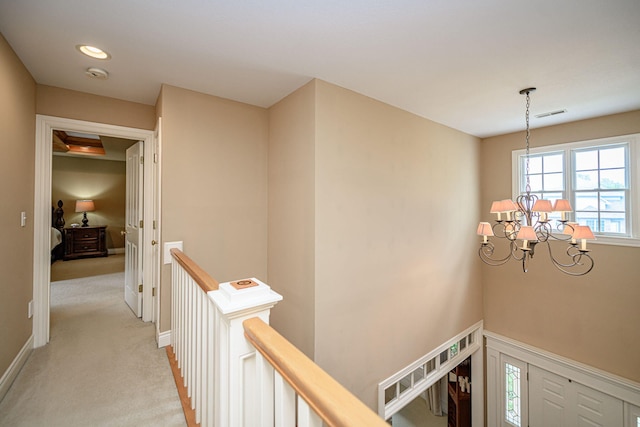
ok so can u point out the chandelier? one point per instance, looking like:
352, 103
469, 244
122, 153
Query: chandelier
525, 226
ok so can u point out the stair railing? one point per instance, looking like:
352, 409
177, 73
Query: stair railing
237, 370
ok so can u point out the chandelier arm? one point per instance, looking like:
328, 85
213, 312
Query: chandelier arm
543, 231
580, 259
486, 252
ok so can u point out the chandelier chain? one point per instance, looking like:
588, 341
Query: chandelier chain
528, 187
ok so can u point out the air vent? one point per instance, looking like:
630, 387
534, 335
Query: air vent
550, 113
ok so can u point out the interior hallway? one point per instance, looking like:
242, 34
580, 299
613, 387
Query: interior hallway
102, 366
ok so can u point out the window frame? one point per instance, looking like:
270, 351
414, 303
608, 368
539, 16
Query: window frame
633, 165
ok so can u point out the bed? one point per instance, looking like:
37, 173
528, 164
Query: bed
57, 235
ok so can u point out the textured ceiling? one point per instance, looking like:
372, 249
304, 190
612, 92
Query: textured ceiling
457, 62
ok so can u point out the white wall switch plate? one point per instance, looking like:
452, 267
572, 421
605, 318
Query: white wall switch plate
23, 219
30, 309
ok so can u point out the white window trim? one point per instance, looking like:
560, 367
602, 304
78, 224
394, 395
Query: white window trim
474, 349
634, 179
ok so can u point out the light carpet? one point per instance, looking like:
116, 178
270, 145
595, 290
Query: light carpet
102, 366
86, 267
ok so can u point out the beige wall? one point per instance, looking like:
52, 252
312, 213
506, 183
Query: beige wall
359, 206
17, 136
214, 185
592, 319
291, 252
70, 104
396, 211
103, 181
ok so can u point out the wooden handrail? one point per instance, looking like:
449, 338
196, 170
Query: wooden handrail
333, 403
202, 278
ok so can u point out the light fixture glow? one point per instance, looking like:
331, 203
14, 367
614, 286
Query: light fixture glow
93, 52
527, 220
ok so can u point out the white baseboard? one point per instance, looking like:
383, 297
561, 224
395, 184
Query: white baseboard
164, 339
17, 364
115, 251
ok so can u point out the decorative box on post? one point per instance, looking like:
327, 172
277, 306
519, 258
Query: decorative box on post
235, 356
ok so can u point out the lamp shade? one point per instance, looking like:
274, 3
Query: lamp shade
583, 232
570, 228
562, 205
508, 205
85, 206
541, 206
527, 232
495, 207
484, 229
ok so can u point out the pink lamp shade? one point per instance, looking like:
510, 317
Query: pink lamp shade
495, 209
542, 205
85, 206
508, 206
583, 232
563, 206
485, 230
570, 228
526, 234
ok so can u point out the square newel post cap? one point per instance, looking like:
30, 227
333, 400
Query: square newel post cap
244, 296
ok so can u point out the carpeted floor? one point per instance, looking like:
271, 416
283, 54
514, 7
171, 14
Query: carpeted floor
86, 267
102, 366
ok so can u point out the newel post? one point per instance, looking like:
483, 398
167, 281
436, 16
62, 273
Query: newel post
235, 358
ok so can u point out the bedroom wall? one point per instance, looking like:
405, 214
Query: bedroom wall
103, 181
591, 319
396, 209
214, 185
17, 112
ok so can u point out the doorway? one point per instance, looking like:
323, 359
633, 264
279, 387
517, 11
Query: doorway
88, 168
42, 220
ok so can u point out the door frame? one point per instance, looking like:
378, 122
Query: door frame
42, 217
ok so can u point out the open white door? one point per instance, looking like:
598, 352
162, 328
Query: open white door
133, 215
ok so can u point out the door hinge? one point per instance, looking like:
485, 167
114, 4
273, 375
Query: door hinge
141, 224
154, 224
140, 288
155, 157
153, 292
142, 160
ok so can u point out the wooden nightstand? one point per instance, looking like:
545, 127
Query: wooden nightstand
85, 242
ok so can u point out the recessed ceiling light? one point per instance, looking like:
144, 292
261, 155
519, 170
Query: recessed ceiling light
93, 51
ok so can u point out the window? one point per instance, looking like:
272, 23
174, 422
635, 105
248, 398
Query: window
598, 177
512, 394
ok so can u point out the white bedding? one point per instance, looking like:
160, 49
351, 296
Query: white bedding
56, 237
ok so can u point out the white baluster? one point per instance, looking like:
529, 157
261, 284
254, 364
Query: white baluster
285, 402
306, 416
264, 392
